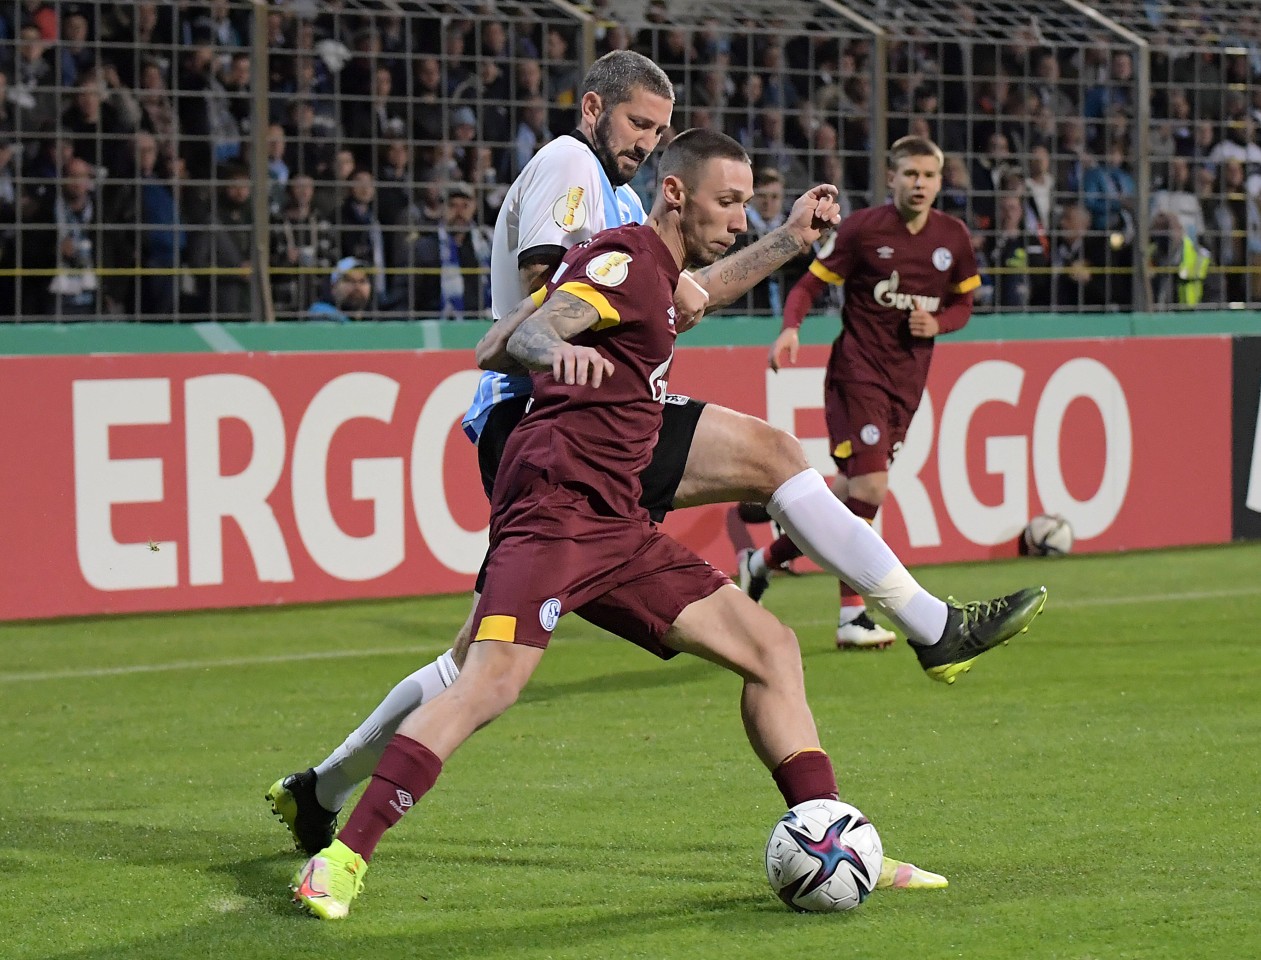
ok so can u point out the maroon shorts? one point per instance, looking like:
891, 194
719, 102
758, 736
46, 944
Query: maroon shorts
552, 553
866, 425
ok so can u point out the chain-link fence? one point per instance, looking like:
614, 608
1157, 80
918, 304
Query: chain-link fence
244, 161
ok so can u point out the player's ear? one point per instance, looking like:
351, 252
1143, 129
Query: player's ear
592, 107
673, 191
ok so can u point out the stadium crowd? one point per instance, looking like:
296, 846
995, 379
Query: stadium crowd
391, 137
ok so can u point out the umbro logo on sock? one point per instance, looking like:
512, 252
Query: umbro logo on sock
405, 802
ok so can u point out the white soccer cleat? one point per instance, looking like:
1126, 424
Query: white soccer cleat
863, 633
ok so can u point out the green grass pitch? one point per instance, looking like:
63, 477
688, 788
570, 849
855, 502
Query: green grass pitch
1093, 790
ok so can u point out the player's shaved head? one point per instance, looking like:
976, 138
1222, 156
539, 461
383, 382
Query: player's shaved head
914, 147
618, 74
692, 149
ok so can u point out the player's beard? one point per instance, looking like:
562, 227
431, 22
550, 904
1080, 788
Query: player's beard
608, 159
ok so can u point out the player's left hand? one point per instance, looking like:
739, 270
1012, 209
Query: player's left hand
815, 212
923, 324
690, 301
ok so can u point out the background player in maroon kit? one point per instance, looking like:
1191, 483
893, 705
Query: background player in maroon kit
568, 532
909, 273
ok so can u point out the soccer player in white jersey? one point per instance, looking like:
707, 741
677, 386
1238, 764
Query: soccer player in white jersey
574, 187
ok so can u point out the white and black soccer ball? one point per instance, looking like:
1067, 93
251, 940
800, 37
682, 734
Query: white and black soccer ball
823, 856
1048, 535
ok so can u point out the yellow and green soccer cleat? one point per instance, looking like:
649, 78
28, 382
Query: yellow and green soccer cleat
896, 875
972, 628
328, 883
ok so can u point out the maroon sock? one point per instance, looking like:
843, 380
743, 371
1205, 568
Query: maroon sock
780, 552
806, 775
407, 772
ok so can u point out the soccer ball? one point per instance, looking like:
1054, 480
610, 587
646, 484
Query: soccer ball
823, 856
1047, 535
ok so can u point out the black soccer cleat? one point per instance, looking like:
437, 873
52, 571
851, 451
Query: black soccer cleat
293, 801
972, 628
753, 584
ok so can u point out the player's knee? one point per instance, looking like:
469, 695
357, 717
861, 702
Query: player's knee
780, 457
780, 660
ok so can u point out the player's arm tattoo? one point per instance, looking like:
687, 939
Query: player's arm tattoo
563, 316
736, 275
492, 350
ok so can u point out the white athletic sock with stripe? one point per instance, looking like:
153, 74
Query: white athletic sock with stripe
358, 755
846, 546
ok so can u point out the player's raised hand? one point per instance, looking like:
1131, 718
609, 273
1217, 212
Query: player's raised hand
580, 365
815, 211
784, 347
690, 300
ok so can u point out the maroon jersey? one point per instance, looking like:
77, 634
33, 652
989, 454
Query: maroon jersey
887, 272
598, 440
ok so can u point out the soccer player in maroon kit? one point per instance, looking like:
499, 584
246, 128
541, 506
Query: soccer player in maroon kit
568, 533
909, 272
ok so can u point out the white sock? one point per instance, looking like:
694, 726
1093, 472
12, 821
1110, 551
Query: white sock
849, 613
846, 546
757, 563
359, 754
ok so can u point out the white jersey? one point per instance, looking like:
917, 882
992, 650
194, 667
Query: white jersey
561, 198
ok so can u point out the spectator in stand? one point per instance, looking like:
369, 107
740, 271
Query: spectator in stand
457, 254
74, 56
31, 87
277, 167
394, 180
1204, 145
235, 79
1176, 196
1240, 144
163, 242
531, 134
1179, 265
1228, 218
309, 142
157, 108
361, 233
1049, 86
988, 170
209, 134
530, 83
1181, 126
66, 241
216, 26
778, 86
956, 189
1117, 91
380, 118
225, 244
1019, 253
490, 89
350, 293
300, 238
1040, 185
428, 96
481, 171
94, 128
1073, 157
1109, 191
563, 78
767, 143
1078, 257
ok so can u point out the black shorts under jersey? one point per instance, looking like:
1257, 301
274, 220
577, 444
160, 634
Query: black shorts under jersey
660, 478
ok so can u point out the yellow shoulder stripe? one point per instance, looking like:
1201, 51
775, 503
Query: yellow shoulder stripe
539, 295
968, 285
824, 274
589, 294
